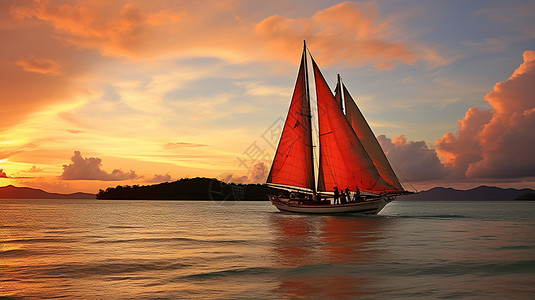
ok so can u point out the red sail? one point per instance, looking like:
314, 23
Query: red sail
292, 164
343, 160
368, 140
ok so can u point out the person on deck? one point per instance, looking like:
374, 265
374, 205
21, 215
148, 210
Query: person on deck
348, 195
357, 195
343, 197
336, 195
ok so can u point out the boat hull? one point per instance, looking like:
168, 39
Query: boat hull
369, 207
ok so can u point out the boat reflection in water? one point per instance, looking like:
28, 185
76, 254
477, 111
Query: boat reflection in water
326, 256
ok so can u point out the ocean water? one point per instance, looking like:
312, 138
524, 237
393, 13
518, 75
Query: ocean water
98, 249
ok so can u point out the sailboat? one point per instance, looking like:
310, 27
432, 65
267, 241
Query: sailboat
353, 173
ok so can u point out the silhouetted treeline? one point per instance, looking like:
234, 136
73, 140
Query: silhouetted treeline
528, 196
190, 189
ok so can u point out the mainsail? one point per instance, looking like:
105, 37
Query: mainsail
344, 162
293, 164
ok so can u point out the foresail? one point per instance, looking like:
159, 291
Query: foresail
343, 161
368, 140
292, 164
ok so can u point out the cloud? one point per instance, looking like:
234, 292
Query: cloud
7, 151
31, 73
161, 178
39, 65
498, 143
347, 32
4, 175
414, 161
89, 169
464, 148
74, 131
138, 28
34, 169
182, 145
115, 29
258, 174
228, 178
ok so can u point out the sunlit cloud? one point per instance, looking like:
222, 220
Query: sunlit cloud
257, 174
137, 28
119, 28
4, 175
33, 169
39, 65
347, 32
498, 143
161, 178
182, 144
74, 131
10, 150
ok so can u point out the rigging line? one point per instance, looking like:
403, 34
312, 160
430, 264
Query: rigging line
396, 170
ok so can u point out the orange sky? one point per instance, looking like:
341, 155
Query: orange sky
95, 94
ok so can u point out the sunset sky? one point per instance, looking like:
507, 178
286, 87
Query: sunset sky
95, 94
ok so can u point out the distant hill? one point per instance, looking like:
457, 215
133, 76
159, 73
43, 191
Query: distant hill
13, 192
528, 196
191, 189
479, 193
213, 189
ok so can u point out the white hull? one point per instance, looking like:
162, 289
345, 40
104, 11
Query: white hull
370, 207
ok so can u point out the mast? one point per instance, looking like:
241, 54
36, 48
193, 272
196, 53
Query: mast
309, 115
338, 92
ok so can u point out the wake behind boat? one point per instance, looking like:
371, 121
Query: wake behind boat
354, 175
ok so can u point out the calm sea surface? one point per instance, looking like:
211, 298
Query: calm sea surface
96, 249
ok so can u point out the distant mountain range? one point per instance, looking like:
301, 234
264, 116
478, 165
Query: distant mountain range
479, 193
13, 192
212, 189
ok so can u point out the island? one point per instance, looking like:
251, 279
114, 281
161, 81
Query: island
191, 189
